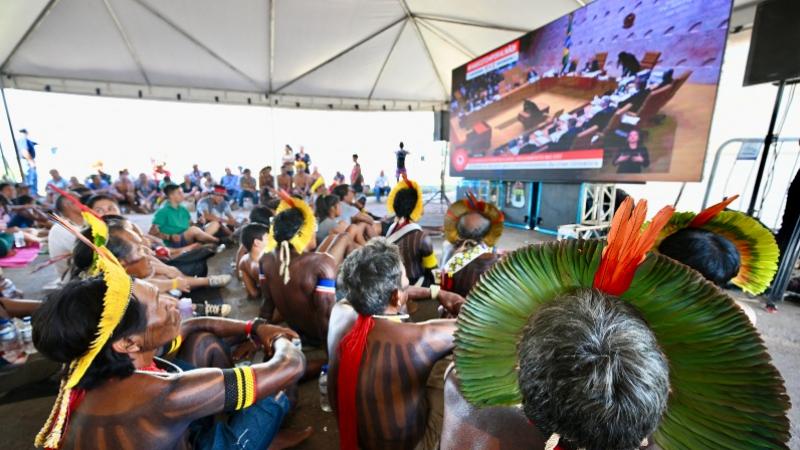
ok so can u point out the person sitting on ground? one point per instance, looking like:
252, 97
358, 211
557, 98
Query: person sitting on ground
129, 250
298, 282
471, 227
98, 185
108, 329
28, 215
60, 240
302, 182
636, 328
381, 187
725, 247
214, 208
416, 249
329, 222
346, 198
124, 191
254, 241
247, 188
58, 181
231, 183
146, 193
190, 189
265, 179
391, 382
173, 222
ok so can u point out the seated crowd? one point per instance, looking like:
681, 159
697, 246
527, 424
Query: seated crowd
411, 364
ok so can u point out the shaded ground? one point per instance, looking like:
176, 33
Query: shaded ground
21, 416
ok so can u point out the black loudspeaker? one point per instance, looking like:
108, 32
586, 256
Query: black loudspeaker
774, 55
441, 125
559, 204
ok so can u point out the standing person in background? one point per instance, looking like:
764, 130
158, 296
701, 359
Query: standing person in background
381, 186
285, 181
304, 157
27, 153
356, 178
248, 188
231, 183
288, 158
58, 181
401, 161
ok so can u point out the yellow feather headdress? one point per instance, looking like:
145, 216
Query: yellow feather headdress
758, 250
319, 182
300, 240
115, 303
466, 206
405, 183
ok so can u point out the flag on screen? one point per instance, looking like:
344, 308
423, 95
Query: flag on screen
567, 45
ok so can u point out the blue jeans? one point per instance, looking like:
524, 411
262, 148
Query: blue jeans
381, 191
253, 196
252, 428
32, 180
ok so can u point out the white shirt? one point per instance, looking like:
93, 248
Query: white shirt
61, 242
348, 211
381, 182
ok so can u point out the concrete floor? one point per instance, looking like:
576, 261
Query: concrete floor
20, 418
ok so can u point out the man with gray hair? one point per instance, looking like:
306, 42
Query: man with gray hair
381, 362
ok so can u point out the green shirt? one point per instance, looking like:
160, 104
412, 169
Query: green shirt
171, 220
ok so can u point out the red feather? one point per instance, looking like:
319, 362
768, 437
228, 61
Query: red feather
74, 200
628, 245
286, 197
709, 213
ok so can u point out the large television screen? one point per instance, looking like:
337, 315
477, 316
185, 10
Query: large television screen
619, 90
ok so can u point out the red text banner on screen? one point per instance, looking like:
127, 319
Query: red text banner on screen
507, 54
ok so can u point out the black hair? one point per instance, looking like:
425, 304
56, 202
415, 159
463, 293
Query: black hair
5, 185
404, 202
66, 324
252, 232
170, 188
323, 206
341, 191
711, 254
83, 255
355, 155
25, 200
401, 145
479, 229
286, 224
590, 369
61, 203
369, 276
98, 197
260, 214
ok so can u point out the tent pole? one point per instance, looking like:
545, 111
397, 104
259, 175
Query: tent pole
10, 127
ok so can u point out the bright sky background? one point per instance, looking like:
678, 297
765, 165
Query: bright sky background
129, 133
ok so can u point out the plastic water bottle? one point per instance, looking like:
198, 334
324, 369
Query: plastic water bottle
185, 306
9, 340
19, 239
26, 336
323, 390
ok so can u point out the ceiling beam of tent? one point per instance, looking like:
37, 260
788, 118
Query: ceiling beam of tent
448, 38
386, 60
271, 61
340, 54
413, 19
581, 2
28, 32
127, 41
471, 23
196, 42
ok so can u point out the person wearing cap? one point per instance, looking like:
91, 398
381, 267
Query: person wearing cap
472, 228
600, 344
215, 209
27, 153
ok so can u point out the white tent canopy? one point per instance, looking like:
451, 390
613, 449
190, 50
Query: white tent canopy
363, 54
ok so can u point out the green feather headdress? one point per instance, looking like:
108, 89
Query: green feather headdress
725, 393
758, 250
